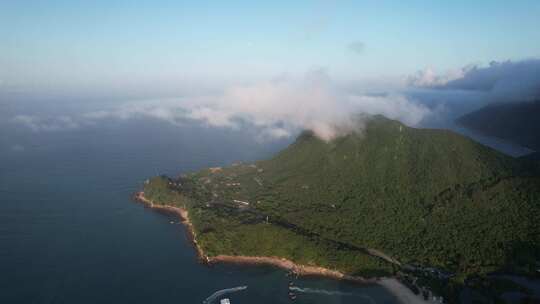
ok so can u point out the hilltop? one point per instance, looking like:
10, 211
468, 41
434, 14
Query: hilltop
390, 198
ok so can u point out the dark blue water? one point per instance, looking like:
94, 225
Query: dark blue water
69, 232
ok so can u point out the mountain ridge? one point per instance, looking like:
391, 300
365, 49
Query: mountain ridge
513, 121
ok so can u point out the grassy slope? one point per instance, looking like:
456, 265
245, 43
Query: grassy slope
428, 196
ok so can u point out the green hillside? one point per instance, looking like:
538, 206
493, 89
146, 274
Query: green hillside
391, 193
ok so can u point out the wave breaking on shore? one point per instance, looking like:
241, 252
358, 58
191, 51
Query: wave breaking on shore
332, 293
223, 292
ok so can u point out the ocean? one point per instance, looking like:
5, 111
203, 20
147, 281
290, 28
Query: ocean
70, 232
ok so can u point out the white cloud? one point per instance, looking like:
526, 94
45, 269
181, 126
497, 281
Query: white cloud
429, 78
279, 108
275, 109
500, 81
277, 132
214, 117
38, 124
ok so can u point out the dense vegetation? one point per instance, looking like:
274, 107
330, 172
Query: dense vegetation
224, 229
422, 197
517, 121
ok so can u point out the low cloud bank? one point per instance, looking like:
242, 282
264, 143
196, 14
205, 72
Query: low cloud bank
38, 124
506, 81
281, 107
429, 78
276, 109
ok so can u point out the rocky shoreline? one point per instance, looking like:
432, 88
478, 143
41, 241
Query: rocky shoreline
183, 214
298, 269
400, 291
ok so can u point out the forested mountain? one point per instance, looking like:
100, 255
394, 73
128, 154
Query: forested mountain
518, 122
411, 196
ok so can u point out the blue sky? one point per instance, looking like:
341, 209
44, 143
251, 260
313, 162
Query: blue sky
160, 44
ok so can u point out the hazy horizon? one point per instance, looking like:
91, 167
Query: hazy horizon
278, 67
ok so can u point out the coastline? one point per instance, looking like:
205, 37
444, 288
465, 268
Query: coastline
402, 293
298, 269
183, 214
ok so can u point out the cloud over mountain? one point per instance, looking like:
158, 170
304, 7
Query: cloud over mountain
281, 107
276, 109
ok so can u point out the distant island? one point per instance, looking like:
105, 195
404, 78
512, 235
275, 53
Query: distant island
518, 122
430, 207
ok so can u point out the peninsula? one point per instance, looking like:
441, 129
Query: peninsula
431, 207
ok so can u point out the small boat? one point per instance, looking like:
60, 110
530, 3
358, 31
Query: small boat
292, 296
225, 301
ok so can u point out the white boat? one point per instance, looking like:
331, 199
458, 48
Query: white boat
225, 301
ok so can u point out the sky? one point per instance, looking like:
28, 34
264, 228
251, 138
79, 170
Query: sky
277, 67
161, 46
